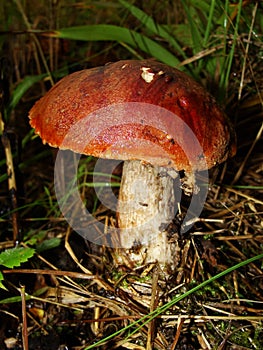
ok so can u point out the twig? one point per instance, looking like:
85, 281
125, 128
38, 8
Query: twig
11, 177
52, 272
178, 332
251, 27
240, 170
230, 189
200, 55
153, 305
24, 319
36, 43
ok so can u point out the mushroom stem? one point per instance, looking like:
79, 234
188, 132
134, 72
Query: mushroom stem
146, 206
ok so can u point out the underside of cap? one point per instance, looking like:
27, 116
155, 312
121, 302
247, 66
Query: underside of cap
135, 110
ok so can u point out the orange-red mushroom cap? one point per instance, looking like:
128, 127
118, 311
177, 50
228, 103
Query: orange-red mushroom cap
135, 110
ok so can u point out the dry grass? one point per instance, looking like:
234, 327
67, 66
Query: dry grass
74, 294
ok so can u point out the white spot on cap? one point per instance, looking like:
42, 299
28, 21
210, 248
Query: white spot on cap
146, 75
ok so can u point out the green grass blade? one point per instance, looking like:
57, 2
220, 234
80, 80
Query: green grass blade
195, 28
108, 32
148, 318
209, 27
22, 88
225, 77
203, 5
16, 299
154, 27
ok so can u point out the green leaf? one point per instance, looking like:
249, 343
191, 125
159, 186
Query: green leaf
32, 238
108, 32
15, 256
22, 88
48, 244
1, 279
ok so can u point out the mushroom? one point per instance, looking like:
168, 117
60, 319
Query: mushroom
160, 122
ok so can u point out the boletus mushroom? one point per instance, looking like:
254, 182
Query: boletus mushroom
155, 118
